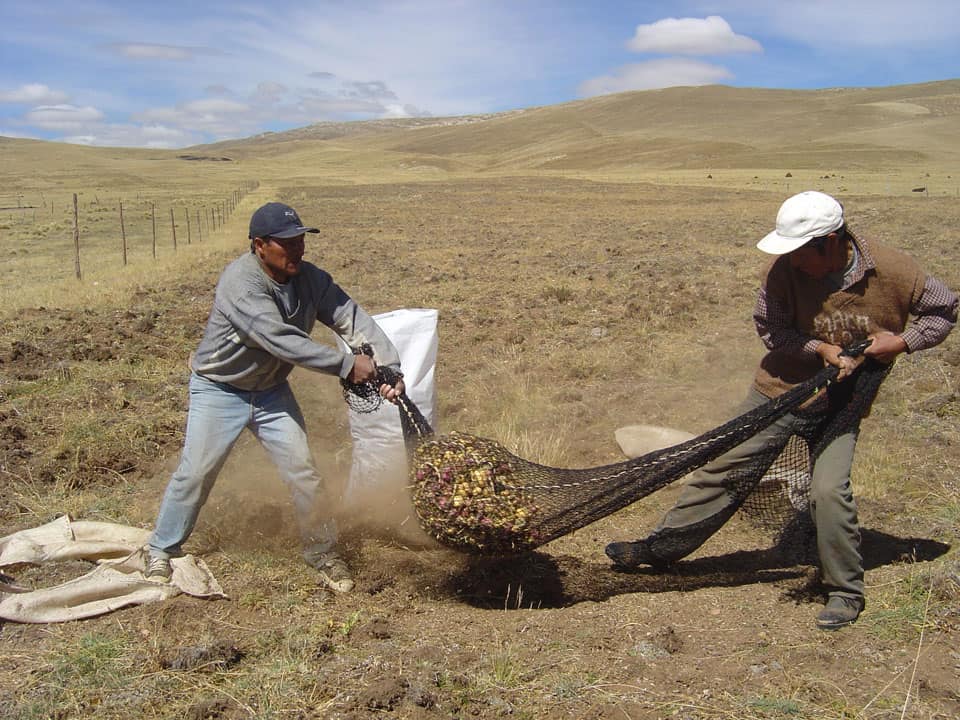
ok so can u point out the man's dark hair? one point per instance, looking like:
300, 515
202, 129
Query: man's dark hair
819, 243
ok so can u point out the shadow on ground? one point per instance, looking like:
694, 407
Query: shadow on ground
540, 580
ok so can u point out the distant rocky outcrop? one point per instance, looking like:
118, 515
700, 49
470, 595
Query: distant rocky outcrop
205, 157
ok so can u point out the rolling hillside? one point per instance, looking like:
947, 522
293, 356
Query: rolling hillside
593, 265
684, 127
911, 128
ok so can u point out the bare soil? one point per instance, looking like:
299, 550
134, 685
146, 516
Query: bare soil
607, 305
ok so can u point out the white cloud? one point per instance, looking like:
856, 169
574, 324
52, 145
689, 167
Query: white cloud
80, 139
6, 132
372, 90
161, 133
173, 65
218, 91
123, 135
667, 72
450, 57
33, 94
210, 106
152, 51
223, 115
213, 117
323, 106
205, 113
404, 111
691, 36
348, 61
87, 126
62, 117
268, 93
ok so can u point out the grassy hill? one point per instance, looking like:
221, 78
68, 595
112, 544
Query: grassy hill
593, 265
698, 127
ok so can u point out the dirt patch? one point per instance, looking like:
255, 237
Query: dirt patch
219, 655
568, 309
64, 372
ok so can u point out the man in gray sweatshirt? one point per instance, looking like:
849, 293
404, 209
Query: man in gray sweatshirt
265, 306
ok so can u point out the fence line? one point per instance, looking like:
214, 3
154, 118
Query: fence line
215, 214
123, 235
76, 238
153, 224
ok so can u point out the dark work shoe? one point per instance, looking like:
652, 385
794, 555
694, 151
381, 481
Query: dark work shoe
632, 554
839, 612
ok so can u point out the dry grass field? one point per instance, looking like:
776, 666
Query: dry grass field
593, 265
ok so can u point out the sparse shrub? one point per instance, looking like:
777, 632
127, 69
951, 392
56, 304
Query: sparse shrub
559, 293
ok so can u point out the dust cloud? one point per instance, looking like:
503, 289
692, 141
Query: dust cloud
250, 508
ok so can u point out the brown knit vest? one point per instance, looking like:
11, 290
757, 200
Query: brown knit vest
881, 300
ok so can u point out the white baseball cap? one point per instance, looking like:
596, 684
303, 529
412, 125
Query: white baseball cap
803, 217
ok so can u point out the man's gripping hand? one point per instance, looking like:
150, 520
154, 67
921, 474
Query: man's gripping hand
833, 355
392, 392
364, 370
885, 347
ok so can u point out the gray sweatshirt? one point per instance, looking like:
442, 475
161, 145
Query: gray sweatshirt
259, 329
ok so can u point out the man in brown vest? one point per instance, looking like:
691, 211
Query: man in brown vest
828, 288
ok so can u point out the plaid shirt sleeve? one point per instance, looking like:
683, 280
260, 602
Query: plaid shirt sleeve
775, 327
935, 315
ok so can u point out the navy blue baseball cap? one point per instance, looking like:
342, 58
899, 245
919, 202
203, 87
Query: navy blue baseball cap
277, 220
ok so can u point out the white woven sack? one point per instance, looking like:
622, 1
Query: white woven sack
379, 454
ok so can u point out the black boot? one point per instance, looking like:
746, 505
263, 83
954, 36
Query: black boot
839, 612
632, 554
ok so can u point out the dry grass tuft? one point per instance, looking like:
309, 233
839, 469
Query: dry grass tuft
584, 282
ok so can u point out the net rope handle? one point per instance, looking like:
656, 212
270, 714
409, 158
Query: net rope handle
414, 421
790, 399
419, 425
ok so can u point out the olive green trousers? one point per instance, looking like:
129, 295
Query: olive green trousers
832, 505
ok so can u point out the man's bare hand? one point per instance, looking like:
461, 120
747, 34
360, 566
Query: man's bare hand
885, 347
392, 393
364, 370
845, 363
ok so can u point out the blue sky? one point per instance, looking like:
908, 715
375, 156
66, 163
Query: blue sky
173, 74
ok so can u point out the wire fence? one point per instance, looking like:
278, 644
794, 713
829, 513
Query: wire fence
53, 235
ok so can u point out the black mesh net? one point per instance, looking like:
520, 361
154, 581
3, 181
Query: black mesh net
472, 494
773, 487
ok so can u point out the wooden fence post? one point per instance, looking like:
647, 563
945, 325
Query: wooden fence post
186, 215
153, 224
76, 238
123, 236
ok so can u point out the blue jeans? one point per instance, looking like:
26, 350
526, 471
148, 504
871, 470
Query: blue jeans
218, 414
